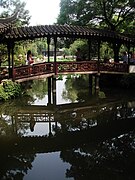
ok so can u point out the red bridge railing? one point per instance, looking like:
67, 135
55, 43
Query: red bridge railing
32, 70
114, 67
85, 66
68, 67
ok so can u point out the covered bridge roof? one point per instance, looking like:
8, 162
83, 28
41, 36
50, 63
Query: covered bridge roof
32, 32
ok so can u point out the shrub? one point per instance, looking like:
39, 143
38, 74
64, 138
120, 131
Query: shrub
3, 95
9, 89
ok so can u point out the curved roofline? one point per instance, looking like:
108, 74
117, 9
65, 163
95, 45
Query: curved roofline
9, 19
69, 31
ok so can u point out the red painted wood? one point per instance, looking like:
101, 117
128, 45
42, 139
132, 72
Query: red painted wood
68, 67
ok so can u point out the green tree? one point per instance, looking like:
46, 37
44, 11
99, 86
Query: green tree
112, 14
67, 8
41, 46
83, 45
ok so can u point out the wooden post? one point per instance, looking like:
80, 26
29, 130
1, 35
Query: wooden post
49, 90
128, 53
50, 129
116, 48
98, 64
48, 48
97, 82
90, 83
55, 55
90, 80
54, 90
89, 43
12, 48
9, 63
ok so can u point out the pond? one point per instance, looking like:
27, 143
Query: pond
63, 129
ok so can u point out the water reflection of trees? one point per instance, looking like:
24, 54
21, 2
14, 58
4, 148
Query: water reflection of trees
76, 88
7, 122
38, 89
15, 166
32, 90
5, 128
110, 159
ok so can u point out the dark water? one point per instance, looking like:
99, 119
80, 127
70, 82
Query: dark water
61, 129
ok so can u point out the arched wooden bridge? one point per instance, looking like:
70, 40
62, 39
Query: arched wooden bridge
10, 35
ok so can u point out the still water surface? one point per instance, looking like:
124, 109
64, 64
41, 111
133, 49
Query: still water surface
67, 131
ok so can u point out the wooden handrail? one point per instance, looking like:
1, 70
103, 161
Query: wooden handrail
68, 67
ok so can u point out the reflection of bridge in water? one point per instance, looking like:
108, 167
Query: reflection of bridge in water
80, 117
78, 125
69, 124
56, 114
73, 111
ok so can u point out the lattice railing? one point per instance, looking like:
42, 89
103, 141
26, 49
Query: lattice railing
32, 70
42, 68
68, 67
36, 117
84, 66
113, 67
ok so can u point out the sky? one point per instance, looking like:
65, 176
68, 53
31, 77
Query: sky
43, 12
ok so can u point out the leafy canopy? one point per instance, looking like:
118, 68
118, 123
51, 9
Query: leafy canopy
111, 14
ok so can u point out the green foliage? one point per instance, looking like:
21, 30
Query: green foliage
66, 51
82, 44
41, 46
37, 47
101, 95
106, 51
114, 15
67, 9
9, 89
3, 95
117, 16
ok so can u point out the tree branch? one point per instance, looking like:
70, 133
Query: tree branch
106, 18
